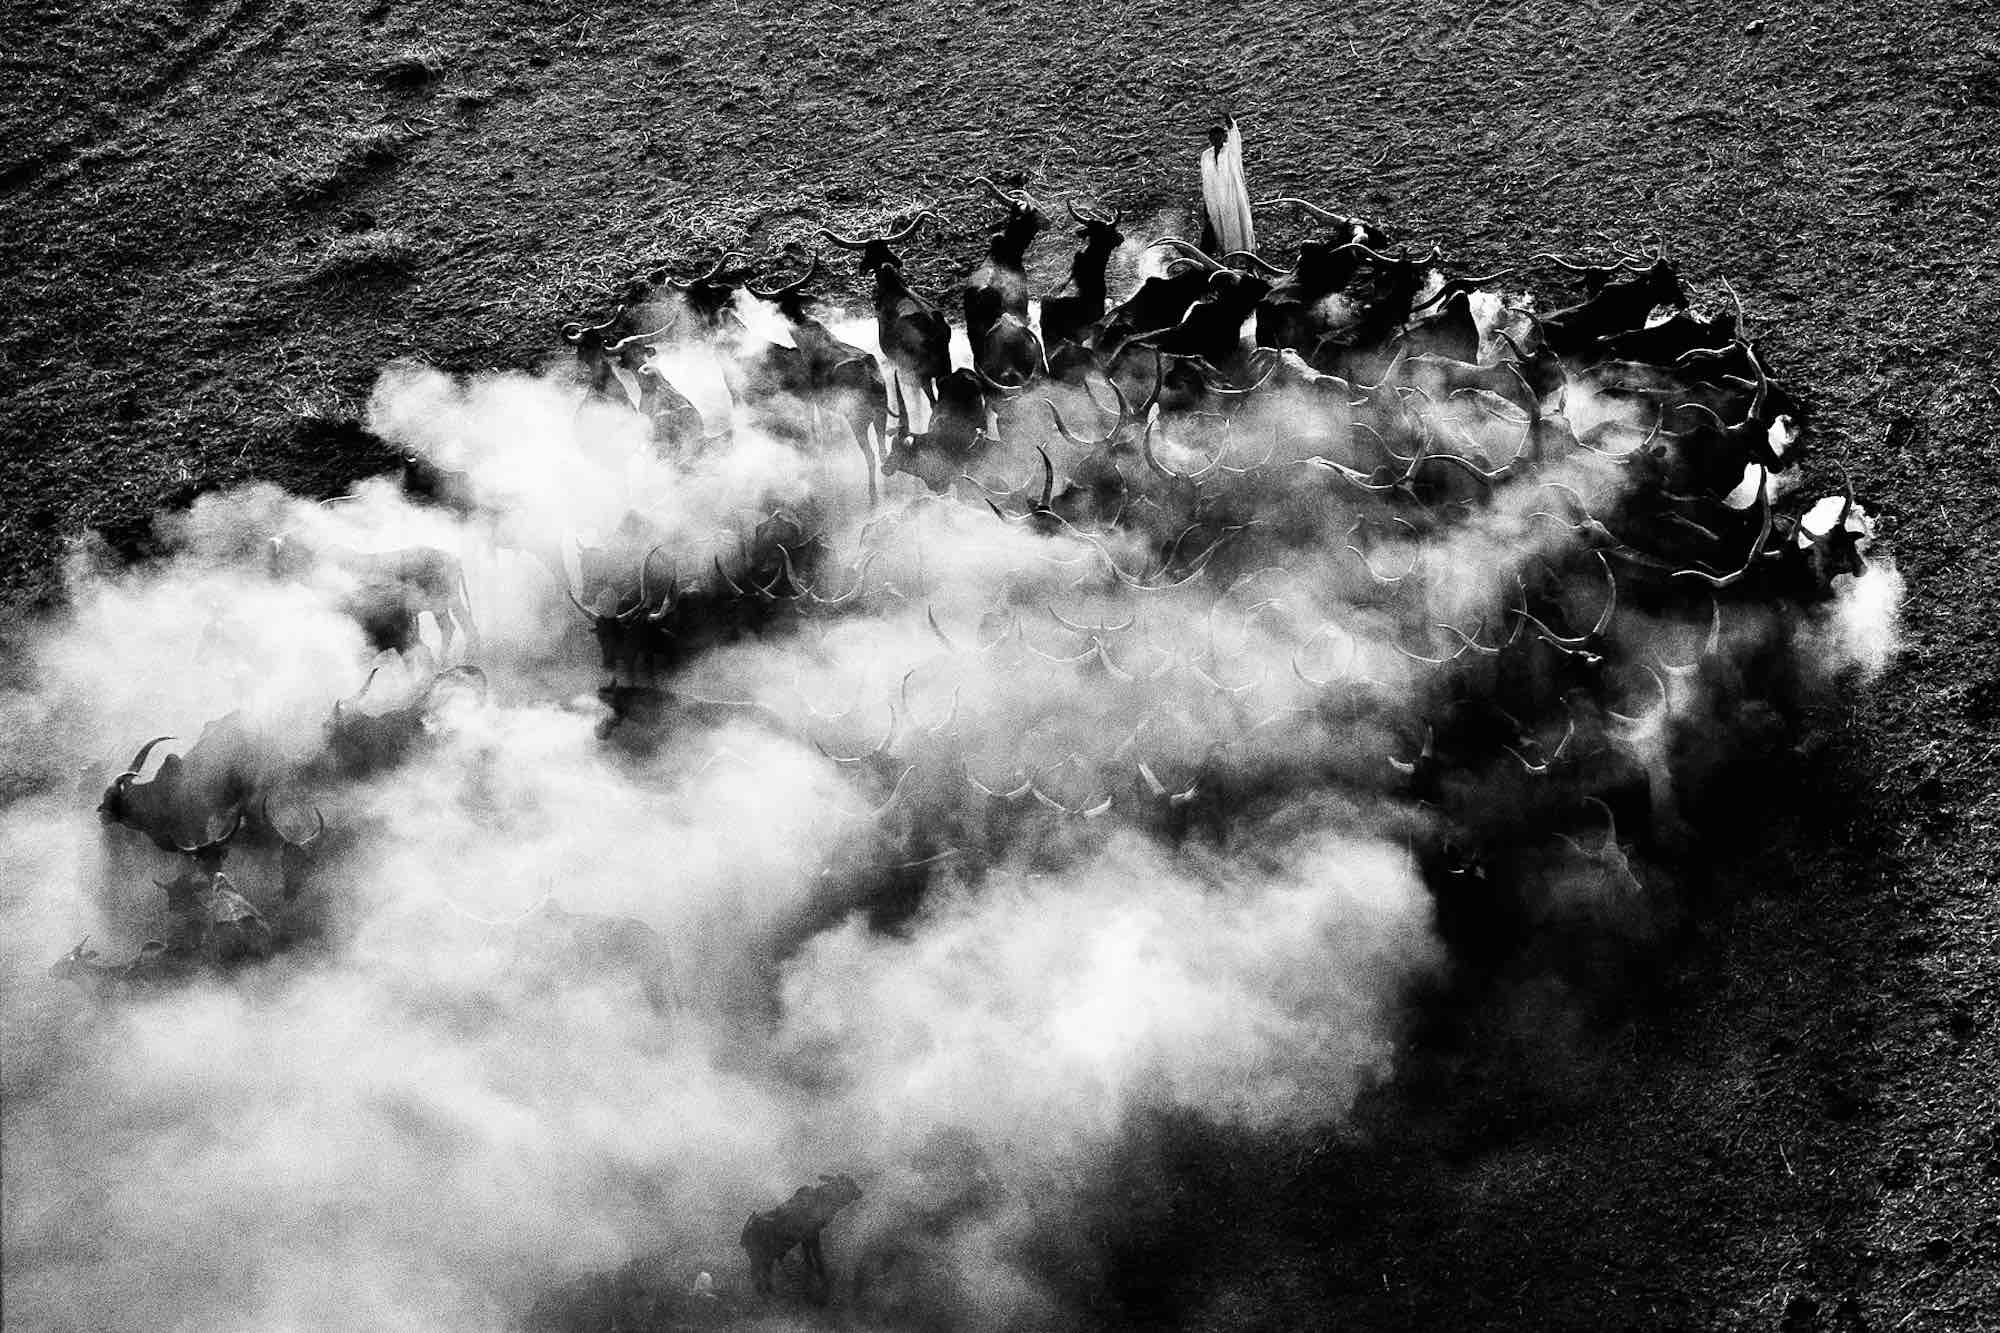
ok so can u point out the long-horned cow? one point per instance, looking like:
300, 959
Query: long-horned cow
1065, 318
914, 337
1004, 346
845, 381
769, 1236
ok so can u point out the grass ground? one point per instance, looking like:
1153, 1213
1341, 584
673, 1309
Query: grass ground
222, 216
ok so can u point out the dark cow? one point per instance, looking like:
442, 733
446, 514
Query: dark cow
211, 920
1004, 346
846, 381
1211, 327
223, 769
1157, 305
1580, 331
914, 337
1066, 318
709, 296
360, 742
769, 1236
1291, 315
390, 590
957, 433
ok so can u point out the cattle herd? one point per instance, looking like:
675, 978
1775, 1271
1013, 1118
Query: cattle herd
1518, 563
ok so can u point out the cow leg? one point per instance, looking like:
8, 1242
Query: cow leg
815, 1265
859, 429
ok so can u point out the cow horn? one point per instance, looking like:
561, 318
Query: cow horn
909, 227
1314, 209
318, 832
1191, 252
785, 289
709, 276
214, 844
1244, 256
139, 759
1011, 198
842, 241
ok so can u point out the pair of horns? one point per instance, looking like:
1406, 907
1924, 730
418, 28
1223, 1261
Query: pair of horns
893, 238
318, 832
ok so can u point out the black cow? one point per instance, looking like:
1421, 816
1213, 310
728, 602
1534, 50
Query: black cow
769, 1236
845, 381
1066, 318
1004, 346
1620, 306
914, 337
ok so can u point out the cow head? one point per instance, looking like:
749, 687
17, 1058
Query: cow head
836, 1192
791, 298
1098, 232
877, 252
295, 859
208, 856
114, 806
1024, 221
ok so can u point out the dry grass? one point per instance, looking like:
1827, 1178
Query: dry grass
410, 69
388, 253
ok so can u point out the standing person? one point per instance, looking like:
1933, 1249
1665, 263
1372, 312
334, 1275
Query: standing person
1224, 195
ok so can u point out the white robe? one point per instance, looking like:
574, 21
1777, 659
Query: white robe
1225, 195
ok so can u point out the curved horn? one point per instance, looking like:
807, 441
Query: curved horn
1070, 435
1245, 256
214, 844
709, 276
909, 227
318, 832
1048, 476
139, 759
1013, 199
1324, 215
842, 241
1192, 252
793, 287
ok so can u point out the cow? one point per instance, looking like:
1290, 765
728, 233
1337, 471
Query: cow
1579, 332
219, 773
675, 423
553, 946
389, 591
914, 337
295, 859
1292, 314
1004, 346
360, 742
1211, 327
211, 920
1158, 304
957, 433
84, 965
769, 1236
710, 295
1066, 318
846, 382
